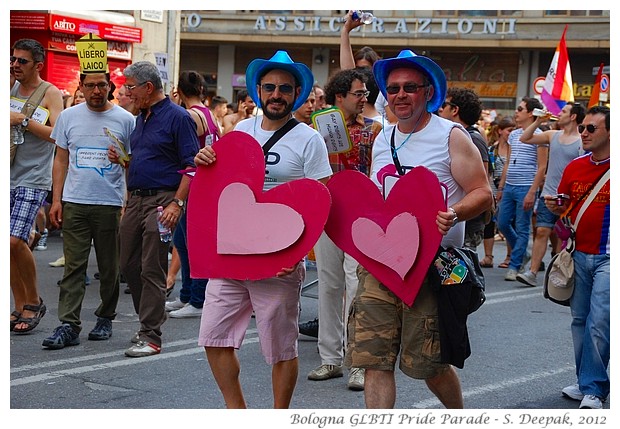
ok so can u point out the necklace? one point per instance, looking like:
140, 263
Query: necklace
602, 161
412, 131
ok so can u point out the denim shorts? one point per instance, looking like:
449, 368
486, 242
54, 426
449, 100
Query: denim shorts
381, 327
544, 217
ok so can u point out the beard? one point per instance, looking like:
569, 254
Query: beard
274, 116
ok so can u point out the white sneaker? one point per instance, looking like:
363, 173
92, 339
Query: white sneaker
573, 392
325, 372
591, 401
186, 311
528, 278
511, 275
60, 262
142, 348
356, 379
175, 305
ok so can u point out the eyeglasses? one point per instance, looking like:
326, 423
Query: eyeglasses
591, 128
22, 61
132, 87
101, 85
285, 88
448, 103
360, 94
410, 88
520, 109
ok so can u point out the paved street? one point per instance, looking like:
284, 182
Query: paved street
522, 357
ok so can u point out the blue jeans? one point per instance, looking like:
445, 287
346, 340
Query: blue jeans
192, 290
590, 327
518, 233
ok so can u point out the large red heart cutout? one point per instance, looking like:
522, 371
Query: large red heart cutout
408, 215
231, 190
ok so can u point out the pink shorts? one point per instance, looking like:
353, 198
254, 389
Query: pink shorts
228, 309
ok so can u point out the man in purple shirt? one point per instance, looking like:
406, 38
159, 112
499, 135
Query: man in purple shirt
163, 142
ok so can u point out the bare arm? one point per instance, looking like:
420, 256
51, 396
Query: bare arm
530, 197
529, 137
59, 173
346, 52
52, 101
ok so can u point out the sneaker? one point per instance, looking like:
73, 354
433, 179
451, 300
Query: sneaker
528, 278
102, 330
591, 401
325, 372
186, 311
526, 259
63, 336
310, 328
573, 392
356, 379
60, 262
136, 338
42, 244
175, 305
142, 348
511, 275
127, 290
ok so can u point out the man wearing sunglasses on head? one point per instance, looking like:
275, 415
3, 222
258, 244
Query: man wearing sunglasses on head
381, 326
279, 87
31, 177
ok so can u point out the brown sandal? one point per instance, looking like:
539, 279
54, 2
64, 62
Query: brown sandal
505, 264
31, 322
487, 261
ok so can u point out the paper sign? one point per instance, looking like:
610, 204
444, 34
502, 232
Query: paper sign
93, 54
331, 125
123, 157
161, 61
410, 211
41, 115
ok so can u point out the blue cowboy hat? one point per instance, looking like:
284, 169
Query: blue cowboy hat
281, 60
408, 59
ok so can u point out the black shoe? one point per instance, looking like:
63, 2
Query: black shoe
96, 275
310, 328
63, 336
127, 290
542, 266
102, 330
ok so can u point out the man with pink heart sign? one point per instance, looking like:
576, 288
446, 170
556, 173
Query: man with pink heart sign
279, 86
414, 87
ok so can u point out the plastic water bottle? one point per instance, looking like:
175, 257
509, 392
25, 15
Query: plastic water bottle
17, 134
358, 15
165, 233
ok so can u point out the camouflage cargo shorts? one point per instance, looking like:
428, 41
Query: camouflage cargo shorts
381, 326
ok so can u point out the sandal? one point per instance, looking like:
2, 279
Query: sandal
504, 264
15, 321
487, 261
32, 322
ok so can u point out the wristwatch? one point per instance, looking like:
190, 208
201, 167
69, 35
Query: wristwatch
25, 122
455, 219
179, 202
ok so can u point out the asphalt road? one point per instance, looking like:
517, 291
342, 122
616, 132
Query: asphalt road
522, 357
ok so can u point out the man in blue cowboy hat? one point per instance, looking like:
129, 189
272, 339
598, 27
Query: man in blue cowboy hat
414, 87
279, 86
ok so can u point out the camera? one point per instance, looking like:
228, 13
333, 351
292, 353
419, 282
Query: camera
560, 198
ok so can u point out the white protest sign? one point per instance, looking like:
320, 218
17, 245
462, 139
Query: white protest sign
40, 115
330, 124
161, 61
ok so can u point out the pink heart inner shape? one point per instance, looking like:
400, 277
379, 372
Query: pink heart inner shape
395, 248
245, 227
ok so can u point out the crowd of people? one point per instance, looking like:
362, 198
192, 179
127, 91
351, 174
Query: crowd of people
502, 175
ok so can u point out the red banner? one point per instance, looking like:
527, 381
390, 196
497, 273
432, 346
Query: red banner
66, 43
65, 24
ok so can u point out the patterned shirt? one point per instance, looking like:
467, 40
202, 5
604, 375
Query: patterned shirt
363, 132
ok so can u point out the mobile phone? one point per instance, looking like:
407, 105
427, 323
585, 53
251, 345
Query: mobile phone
560, 198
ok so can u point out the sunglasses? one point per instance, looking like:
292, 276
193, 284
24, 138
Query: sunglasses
22, 61
591, 128
448, 103
285, 88
132, 87
520, 109
409, 88
360, 94
101, 85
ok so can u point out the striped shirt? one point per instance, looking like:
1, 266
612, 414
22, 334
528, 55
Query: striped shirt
523, 163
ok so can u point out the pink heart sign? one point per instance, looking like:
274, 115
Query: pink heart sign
235, 230
395, 239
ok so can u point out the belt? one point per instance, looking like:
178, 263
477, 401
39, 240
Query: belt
145, 192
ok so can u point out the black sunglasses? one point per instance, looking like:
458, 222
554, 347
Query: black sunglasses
22, 61
284, 88
410, 88
520, 109
448, 103
591, 128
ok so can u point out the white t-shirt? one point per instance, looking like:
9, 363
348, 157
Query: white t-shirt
91, 177
300, 153
427, 147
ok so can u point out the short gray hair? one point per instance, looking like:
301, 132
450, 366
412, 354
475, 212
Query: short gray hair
145, 71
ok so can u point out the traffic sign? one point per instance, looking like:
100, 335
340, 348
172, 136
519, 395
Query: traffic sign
539, 84
604, 83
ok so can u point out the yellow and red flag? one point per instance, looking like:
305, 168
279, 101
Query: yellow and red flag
596, 89
558, 88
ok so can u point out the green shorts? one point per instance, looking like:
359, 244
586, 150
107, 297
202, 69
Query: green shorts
381, 327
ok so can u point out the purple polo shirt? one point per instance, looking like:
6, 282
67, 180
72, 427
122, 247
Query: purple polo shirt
161, 146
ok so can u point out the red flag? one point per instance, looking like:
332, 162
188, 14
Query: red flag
596, 89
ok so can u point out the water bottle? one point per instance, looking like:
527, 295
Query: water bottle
165, 234
17, 134
358, 15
